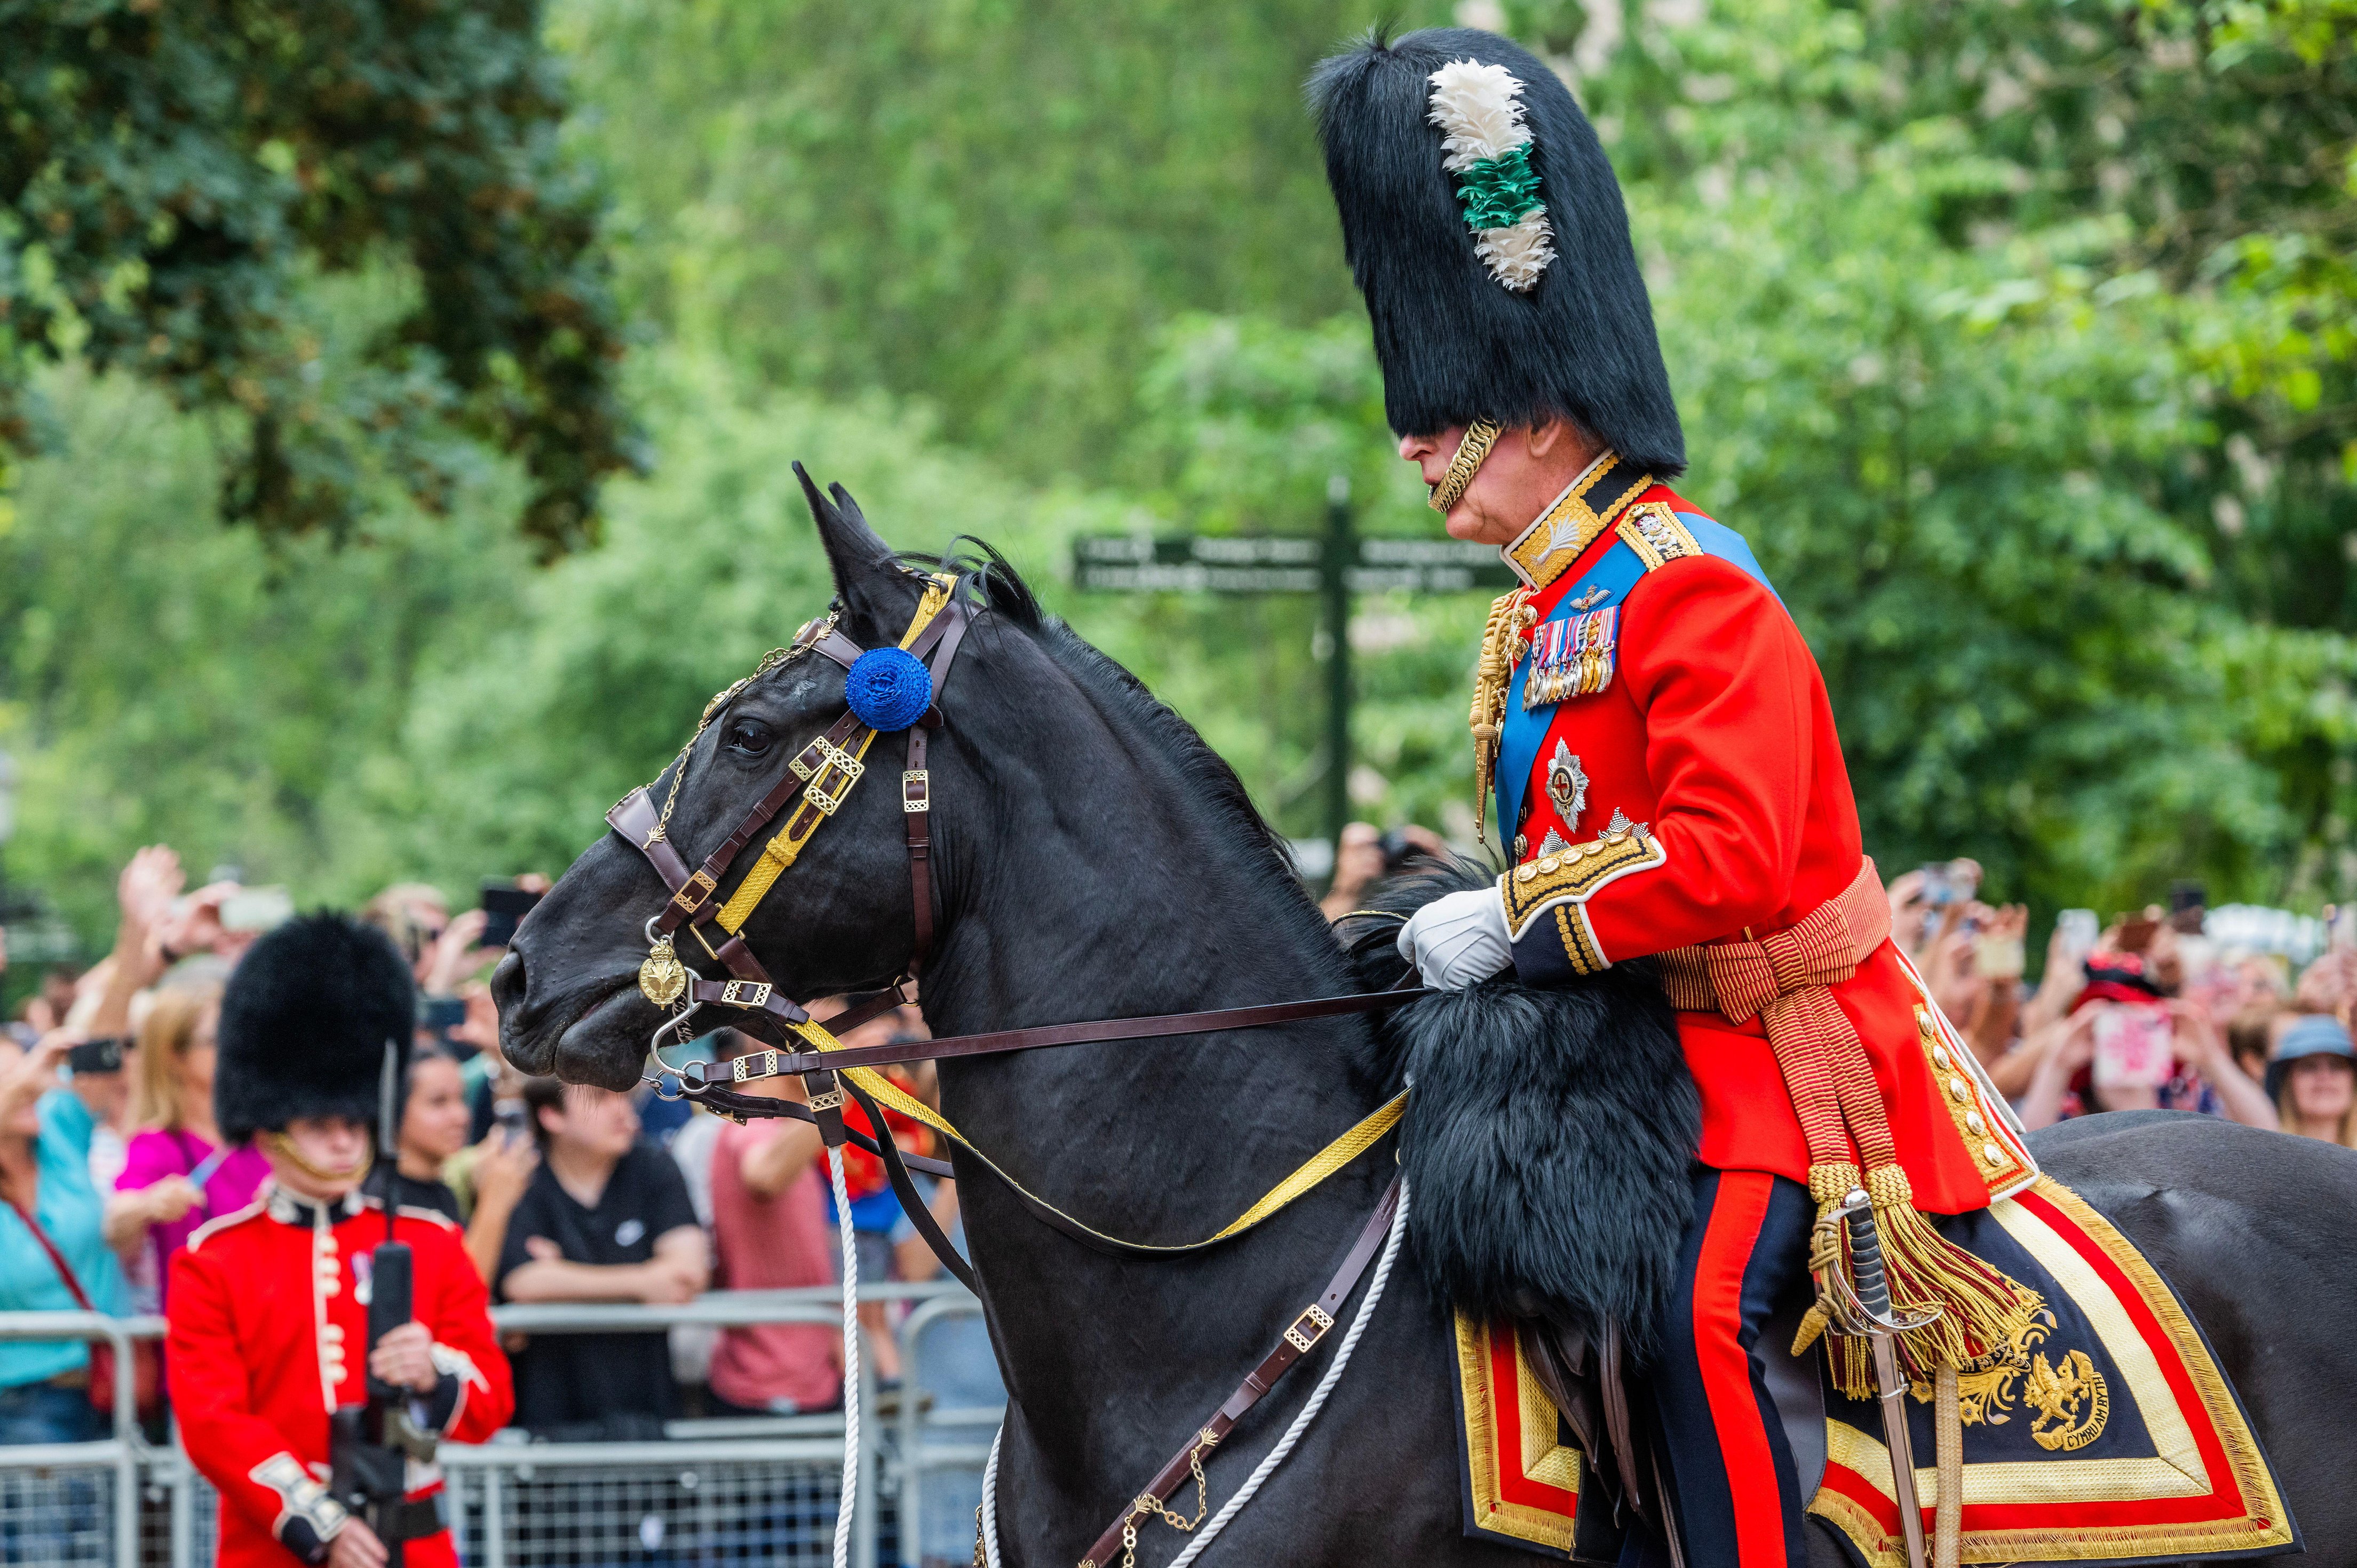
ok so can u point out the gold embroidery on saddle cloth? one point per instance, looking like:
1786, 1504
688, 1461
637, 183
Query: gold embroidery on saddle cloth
2068, 1405
1523, 1481
2017, 1511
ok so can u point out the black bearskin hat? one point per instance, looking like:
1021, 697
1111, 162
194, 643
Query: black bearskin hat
303, 1022
1486, 230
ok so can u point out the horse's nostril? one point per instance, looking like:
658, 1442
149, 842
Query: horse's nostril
508, 983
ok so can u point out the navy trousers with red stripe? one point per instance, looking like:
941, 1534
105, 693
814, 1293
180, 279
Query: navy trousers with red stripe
1735, 1488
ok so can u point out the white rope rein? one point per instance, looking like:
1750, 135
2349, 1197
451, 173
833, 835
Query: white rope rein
850, 1497
1267, 1467
990, 1497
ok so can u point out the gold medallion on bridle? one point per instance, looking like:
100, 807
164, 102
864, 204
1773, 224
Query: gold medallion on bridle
662, 979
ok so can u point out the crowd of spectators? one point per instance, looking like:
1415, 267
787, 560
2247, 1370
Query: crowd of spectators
2149, 1012
109, 1161
110, 1158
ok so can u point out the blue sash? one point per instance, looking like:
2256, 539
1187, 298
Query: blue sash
1615, 572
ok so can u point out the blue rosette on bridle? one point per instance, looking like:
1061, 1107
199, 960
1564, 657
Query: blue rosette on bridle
888, 688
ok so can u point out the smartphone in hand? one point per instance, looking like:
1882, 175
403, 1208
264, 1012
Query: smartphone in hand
95, 1057
504, 906
2132, 1047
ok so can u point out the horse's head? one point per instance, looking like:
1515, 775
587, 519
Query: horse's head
840, 917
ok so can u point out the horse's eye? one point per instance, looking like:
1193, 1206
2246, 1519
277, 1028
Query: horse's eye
749, 738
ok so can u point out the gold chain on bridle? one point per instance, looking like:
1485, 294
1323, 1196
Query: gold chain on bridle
803, 640
1146, 1507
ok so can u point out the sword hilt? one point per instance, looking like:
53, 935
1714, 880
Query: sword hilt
1867, 1276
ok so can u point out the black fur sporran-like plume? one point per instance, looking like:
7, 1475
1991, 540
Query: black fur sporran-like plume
1550, 1134
1455, 344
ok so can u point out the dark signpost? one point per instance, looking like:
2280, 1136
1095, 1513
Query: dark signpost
1334, 567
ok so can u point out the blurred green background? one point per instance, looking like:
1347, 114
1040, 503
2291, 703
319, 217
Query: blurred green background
2015, 335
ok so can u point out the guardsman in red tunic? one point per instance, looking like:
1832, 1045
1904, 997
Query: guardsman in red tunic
269, 1335
1661, 750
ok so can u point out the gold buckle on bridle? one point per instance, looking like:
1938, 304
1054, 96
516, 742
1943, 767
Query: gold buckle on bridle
842, 763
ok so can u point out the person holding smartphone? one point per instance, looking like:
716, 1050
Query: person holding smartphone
178, 1171
53, 1250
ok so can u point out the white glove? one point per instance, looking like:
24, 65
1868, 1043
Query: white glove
1458, 938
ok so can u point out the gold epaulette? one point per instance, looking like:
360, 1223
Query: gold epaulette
1654, 532
1573, 875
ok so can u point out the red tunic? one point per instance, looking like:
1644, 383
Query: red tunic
268, 1332
1712, 730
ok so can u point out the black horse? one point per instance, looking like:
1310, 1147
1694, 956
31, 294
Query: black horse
1096, 859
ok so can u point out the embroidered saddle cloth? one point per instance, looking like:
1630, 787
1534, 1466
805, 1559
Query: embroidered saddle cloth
2105, 1431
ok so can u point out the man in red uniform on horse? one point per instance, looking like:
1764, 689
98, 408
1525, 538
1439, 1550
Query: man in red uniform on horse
270, 1362
1663, 754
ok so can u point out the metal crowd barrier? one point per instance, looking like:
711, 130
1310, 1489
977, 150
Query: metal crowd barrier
48, 1492
761, 1491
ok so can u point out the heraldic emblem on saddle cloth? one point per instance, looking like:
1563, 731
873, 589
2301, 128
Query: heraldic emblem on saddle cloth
2104, 1432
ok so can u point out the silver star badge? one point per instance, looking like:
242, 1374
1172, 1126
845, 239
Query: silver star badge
1566, 786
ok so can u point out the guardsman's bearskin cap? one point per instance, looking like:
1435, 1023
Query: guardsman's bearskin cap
303, 1022
1484, 224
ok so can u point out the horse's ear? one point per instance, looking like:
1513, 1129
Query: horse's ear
868, 579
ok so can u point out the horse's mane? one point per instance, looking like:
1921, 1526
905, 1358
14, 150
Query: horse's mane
987, 580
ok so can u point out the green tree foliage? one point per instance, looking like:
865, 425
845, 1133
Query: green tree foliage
173, 177
168, 678
2064, 292
2014, 334
993, 208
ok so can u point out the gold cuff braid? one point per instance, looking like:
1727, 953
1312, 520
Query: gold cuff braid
1480, 437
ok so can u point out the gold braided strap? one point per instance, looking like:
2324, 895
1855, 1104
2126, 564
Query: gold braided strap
1500, 650
1471, 447
1784, 979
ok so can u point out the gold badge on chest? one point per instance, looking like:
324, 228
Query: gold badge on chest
1566, 786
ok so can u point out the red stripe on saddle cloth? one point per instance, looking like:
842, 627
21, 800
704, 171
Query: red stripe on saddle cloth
1523, 1482
2090, 1507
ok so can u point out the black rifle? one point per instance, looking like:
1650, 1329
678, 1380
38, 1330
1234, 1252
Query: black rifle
370, 1446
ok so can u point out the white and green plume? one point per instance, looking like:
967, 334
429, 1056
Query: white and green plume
1478, 110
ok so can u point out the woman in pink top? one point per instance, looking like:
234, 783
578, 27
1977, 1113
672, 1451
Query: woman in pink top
770, 1232
176, 1176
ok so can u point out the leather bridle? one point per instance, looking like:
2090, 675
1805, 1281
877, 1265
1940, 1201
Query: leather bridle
823, 774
